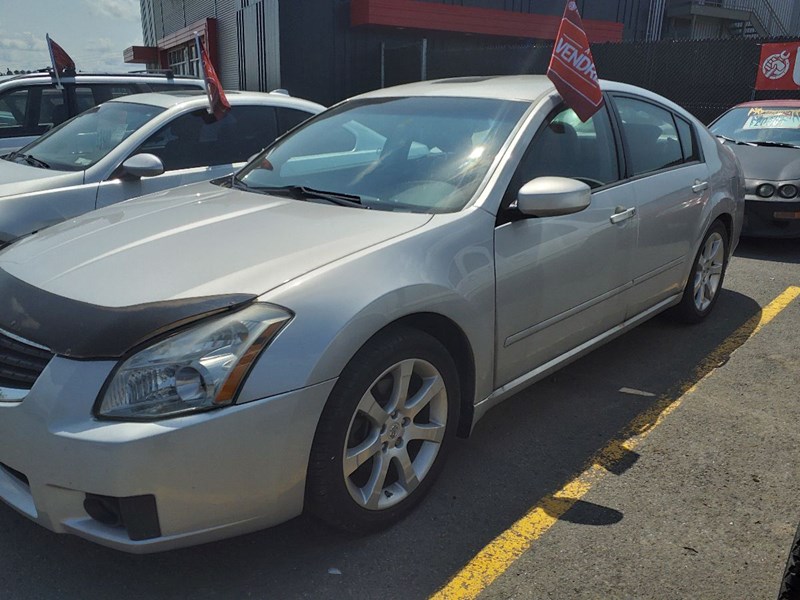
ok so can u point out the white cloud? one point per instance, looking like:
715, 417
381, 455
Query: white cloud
22, 50
127, 10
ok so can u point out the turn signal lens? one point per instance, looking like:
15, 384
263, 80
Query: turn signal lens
765, 190
788, 191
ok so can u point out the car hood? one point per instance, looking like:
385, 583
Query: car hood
197, 240
768, 163
19, 178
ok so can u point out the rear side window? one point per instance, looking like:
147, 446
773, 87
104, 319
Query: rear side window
52, 108
196, 140
651, 136
688, 140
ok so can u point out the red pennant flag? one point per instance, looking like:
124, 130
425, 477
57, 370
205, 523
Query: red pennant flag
217, 102
59, 57
572, 68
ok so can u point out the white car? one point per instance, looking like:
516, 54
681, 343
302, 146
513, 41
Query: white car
132, 146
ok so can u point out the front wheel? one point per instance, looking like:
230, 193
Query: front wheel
708, 273
384, 432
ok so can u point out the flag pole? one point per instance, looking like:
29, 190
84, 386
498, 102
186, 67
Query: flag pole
202, 69
53, 62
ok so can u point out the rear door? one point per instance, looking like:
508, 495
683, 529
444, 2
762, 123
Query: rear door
670, 182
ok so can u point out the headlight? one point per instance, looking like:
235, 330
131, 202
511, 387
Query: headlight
197, 369
765, 190
788, 191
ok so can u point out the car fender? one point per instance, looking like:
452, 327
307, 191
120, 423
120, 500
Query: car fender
21, 214
446, 268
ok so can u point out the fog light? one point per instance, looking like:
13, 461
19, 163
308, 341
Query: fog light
765, 190
788, 191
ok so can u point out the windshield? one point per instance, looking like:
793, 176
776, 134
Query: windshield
81, 142
419, 154
758, 124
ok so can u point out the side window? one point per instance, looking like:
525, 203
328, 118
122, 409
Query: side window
243, 132
289, 118
688, 140
651, 135
567, 147
13, 108
84, 98
196, 140
106, 91
52, 108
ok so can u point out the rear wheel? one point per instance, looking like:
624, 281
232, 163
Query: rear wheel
384, 432
708, 273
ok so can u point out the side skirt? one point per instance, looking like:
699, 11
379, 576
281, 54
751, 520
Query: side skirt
553, 365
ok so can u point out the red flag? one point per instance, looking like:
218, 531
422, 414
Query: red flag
217, 102
572, 68
58, 56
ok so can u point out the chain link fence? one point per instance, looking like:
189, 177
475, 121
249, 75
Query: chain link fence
706, 77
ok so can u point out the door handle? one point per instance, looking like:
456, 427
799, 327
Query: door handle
699, 186
621, 214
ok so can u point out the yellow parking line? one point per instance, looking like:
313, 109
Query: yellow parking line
495, 558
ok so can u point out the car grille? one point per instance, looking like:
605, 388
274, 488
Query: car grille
21, 363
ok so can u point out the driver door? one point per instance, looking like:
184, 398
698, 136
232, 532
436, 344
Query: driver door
561, 281
193, 149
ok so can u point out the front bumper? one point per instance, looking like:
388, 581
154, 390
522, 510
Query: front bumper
771, 218
212, 475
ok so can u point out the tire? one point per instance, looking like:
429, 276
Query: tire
369, 464
790, 584
708, 273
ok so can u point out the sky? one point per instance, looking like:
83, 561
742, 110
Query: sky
93, 32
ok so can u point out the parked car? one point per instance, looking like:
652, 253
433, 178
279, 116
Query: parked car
765, 135
32, 104
313, 331
132, 146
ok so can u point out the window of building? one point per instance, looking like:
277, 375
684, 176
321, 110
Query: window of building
183, 60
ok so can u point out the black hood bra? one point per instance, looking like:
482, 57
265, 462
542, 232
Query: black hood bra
81, 330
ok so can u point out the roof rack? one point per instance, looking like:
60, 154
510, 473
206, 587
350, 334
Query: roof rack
169, 73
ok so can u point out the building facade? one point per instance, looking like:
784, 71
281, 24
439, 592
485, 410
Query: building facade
326, 50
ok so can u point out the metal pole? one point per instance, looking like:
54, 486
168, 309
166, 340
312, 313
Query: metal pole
424, 67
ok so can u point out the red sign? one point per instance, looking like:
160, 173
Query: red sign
218, 103
59, 57
572, 68
779, 67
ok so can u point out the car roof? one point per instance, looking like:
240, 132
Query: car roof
777, 103
136, 75
199, 99
505, 87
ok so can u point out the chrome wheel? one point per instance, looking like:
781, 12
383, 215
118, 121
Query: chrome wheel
708, 271
395, 434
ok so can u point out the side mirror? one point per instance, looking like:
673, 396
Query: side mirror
141, 165
553, 196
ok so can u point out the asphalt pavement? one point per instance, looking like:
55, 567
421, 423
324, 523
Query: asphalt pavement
704, 506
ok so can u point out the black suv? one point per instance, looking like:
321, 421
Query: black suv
31, 104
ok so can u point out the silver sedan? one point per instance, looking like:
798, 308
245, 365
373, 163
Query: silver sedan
312, 332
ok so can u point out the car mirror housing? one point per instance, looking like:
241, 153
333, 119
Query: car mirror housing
142, 165
553, 196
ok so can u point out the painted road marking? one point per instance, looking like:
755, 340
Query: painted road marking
494, 559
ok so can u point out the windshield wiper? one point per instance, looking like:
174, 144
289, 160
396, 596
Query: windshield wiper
776, 144
727, 139
301, 191
28, 158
